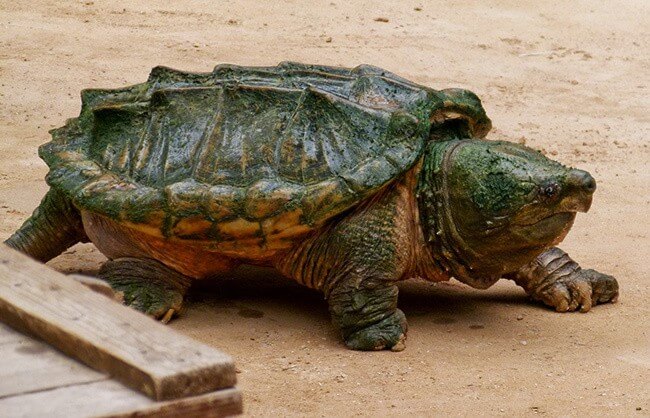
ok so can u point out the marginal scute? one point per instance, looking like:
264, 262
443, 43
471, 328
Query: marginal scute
326, 199
246, 154
184, 197
268, 197
239, 229
74, 174
224, 202
194, 228
369, 174
286, 225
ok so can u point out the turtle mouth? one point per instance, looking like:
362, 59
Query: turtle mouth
565, 211
553, 219
547, 222
550, 229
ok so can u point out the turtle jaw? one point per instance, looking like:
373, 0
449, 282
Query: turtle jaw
545, 232
574, 194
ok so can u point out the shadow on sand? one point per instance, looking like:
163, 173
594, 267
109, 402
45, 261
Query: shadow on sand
262, 288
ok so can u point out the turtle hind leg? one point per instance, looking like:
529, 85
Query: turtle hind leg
54, 227
147, 285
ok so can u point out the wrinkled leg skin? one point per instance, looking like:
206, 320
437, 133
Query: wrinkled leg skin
556, 280
368, 316
54, 226
147, 285
356, 263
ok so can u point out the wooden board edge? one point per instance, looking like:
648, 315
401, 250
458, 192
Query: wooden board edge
218, 374
135, 378
221, 375
223, 403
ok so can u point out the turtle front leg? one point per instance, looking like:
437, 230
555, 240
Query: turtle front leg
356, 261
147, 285
558, 281
366, 313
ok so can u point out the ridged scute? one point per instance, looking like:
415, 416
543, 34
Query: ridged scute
246, 152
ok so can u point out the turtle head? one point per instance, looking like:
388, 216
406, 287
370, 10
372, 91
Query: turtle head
497, 204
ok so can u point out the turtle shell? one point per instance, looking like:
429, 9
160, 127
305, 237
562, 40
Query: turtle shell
247, 153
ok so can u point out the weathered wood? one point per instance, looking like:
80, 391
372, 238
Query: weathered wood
28, 365
109, 398
107, 336
37, 380
226, 402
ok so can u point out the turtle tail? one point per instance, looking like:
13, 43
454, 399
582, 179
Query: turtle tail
54, 227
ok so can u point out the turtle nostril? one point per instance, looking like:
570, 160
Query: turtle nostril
589, 184
583, 180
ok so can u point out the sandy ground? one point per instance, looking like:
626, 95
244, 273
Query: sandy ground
570, 78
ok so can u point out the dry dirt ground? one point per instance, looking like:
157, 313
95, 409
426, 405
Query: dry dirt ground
570, 78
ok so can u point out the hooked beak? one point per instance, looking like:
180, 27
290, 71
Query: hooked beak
581, 187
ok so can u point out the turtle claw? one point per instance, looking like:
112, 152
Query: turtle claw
147, 286
150, 298
604, 286
167, 316
578, 291
389, 333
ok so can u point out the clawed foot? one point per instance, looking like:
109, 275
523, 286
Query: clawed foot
389, 333
147, 286
578, 291
153, 299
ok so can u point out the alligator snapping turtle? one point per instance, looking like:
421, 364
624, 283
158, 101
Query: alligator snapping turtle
346, 180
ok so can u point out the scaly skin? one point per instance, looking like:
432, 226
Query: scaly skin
356, 263
54, 226
556, 280
148, 285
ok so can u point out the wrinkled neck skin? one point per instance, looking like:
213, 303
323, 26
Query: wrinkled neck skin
443, 254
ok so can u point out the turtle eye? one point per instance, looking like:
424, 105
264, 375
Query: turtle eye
549, 191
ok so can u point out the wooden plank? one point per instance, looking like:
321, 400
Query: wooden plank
107, 336
109, 398
28, 365
37, 380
